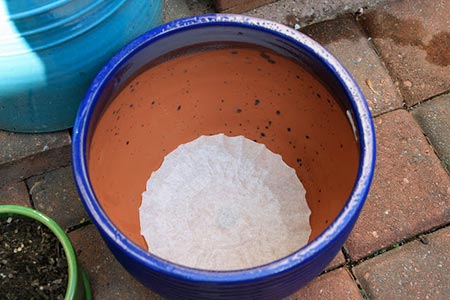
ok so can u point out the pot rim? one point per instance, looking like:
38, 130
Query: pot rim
301, 257
72, 266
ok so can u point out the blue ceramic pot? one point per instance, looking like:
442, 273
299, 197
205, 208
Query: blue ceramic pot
50, 50
269, 282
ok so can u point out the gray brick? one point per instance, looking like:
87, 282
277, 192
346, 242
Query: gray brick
434, 118
54, 193
23, 155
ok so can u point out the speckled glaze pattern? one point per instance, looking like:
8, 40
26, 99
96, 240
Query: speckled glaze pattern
272, 281
51, 50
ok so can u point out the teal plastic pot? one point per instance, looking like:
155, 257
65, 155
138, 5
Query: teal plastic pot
50, 50
78, 287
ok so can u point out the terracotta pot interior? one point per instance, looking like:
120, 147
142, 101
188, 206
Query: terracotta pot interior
236, 90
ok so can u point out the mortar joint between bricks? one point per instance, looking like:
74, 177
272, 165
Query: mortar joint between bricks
29, 191
421, 237
82, 224
413, 107
387, 112
362, 291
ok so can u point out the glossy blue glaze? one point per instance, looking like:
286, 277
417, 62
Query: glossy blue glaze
269, 282
50, 50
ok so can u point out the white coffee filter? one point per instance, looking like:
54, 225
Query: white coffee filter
224, 203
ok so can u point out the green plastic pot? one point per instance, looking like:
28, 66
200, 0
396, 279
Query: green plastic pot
78, 287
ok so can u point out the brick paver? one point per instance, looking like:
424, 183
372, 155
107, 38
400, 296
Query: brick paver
338, 261
413, 38
434, 118
411, 189
301, 12
238, 6
417, 270
337, 284
15, 193
25, 155
54, 193
176, 9
340, 35
410, 192
109, 280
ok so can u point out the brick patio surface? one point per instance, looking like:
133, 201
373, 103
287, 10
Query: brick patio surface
398, 52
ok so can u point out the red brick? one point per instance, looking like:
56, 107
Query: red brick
413, 38
23, 155
417, 270
109, 280
344, 38
15, 193
54, 193
333, 285
410, 193
433, 117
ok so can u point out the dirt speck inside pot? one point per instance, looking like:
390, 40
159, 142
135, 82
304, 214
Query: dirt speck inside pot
235, 90
33, 264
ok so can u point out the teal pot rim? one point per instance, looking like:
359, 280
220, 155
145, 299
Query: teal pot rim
78, 281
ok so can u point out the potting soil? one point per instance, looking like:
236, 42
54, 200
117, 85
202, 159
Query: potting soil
33, 264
